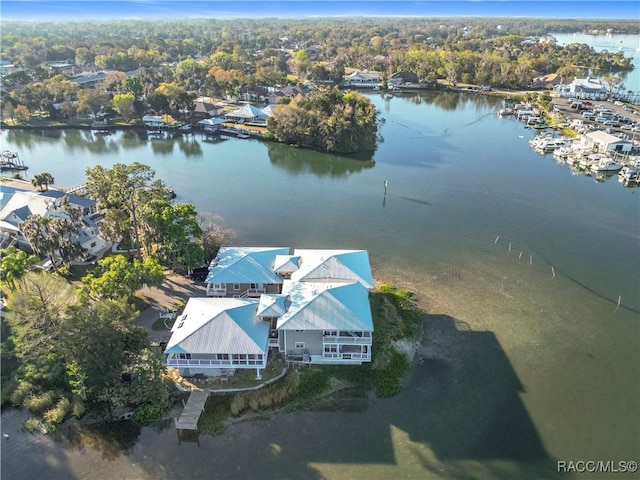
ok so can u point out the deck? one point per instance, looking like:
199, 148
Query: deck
192, 410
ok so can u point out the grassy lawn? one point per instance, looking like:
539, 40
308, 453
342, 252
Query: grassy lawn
160, 326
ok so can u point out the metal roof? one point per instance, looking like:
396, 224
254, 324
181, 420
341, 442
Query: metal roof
327, 265
245, 265
219, 325
326, 306
273, 304
286, 263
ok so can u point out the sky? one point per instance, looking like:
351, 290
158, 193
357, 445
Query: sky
107, 9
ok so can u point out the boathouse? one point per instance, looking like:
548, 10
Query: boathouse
605, 142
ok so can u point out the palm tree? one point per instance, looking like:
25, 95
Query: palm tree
41, 180
14, 263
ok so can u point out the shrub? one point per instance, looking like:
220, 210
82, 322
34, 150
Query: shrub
35, 425
40, 403
21, 392
59, 412
238, 404
78, 408
388, 379
147, 413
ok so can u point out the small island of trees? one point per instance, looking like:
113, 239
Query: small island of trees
329, 120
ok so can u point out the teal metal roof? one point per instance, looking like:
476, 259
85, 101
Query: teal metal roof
327, 265
326, 306
245, 265
219, 325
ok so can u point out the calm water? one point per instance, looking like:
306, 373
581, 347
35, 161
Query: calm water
628, 44
520, 367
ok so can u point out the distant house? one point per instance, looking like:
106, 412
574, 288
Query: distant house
310, 306
547, 81
23, 204
247, 114
363, 79
399, 78
290, 91
585, 88
605, 142
205, 108
90, 80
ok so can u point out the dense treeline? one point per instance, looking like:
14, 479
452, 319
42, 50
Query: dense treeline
177, 60
329, 120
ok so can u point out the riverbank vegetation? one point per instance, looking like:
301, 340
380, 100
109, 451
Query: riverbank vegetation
397, 332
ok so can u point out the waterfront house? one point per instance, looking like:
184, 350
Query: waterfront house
247, 114
585, 88
400, 78
216, 336
326, 322
547, 81
204, 107
363, 79
312, 306
244, 272
23, 204
605, 142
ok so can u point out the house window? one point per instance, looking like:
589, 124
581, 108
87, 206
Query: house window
330, 333
180, 324
299, 345
217, 286
93, 244
184, 356
223, 356
254, 286
330, 349
365, 349
299, 330
236, 286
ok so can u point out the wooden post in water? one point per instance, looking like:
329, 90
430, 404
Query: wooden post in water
553, 272
509, 248
497, 239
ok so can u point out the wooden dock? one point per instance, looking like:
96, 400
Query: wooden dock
192, 410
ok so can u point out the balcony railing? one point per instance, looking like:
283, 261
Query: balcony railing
345, 339
347, 356
213, 363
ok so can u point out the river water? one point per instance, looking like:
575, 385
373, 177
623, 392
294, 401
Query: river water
519, 263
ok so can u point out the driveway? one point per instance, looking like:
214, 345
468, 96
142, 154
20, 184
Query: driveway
164, 299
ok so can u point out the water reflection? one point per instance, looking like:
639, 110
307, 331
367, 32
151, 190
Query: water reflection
301, 161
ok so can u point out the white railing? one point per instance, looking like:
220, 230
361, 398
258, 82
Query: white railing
347, 356
343, 339
178, 362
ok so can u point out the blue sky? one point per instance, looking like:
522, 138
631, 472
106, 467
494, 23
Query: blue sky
103, 9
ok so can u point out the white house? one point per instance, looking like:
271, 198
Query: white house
586, 88
363, 79
23, 204
216, 336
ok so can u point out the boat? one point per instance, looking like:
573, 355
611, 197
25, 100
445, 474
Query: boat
10, 161
243, 134
505, 112
606, 165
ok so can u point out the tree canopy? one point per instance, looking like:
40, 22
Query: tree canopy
329, 120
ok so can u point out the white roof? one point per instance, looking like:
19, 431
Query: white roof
286, 263
605, 138
326, 306
333, 265
247, 111
219, 325
273, 304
